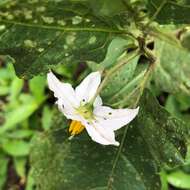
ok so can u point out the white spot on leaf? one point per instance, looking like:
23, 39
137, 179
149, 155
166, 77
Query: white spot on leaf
40, 49
76, 20
48, 20
70, 39
40, 9
30, 43
2, 27
61, 22
92, 40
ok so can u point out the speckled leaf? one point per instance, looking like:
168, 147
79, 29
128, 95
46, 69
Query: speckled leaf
155, 139
126, 79
42, 33
166, 11
185, 40
120, 81
105, 8
172, 72
116, 48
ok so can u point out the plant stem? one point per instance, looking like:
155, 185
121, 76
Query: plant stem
111, 71
126, 128
169, 38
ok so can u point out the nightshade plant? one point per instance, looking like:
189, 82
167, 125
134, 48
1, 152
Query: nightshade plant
142, 49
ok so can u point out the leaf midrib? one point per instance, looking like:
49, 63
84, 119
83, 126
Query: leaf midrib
66, 29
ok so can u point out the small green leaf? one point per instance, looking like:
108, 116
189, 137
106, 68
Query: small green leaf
115, 49
179, 179
47, 116
185, 40
16, 87
20, 166
30, 184
3, 170
19, 134
164, 181
37, 87
16, 147
122, 82
184, 101
173, 106
4, 90
18, 115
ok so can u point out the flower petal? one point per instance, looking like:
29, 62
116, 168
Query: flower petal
98, 101
69, 112
63, 91
88, 87
100, 134
114, 118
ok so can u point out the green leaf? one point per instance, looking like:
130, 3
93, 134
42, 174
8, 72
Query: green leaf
43, 33
185, 39
166, 11
16, 87
18, 115
37, 87
127, 78
172, 68
172, 106
164, 181
30, 184
179, 179
20, 134
124, 86
3, 170
47, 116
16, 147
105, 8
20, 166
184, 101
154, 140
115, 49
4, 90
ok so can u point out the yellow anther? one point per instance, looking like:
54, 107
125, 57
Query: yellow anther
76, 127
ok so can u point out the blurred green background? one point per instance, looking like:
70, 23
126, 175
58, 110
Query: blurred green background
26, 107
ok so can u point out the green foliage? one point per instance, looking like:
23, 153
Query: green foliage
172, 72
16, 148
105, 8
3, 171
136, 44
166, 11
18, 104
43, 34
179, 179
155, 139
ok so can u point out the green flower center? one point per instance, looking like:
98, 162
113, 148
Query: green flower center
86, 111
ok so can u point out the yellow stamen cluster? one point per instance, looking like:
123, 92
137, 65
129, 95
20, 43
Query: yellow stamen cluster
76, 127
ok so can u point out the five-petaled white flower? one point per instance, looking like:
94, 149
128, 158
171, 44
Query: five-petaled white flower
99, 121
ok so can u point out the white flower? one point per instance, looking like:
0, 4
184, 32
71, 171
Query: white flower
99, 121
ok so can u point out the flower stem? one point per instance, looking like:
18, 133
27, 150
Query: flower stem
126, 59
